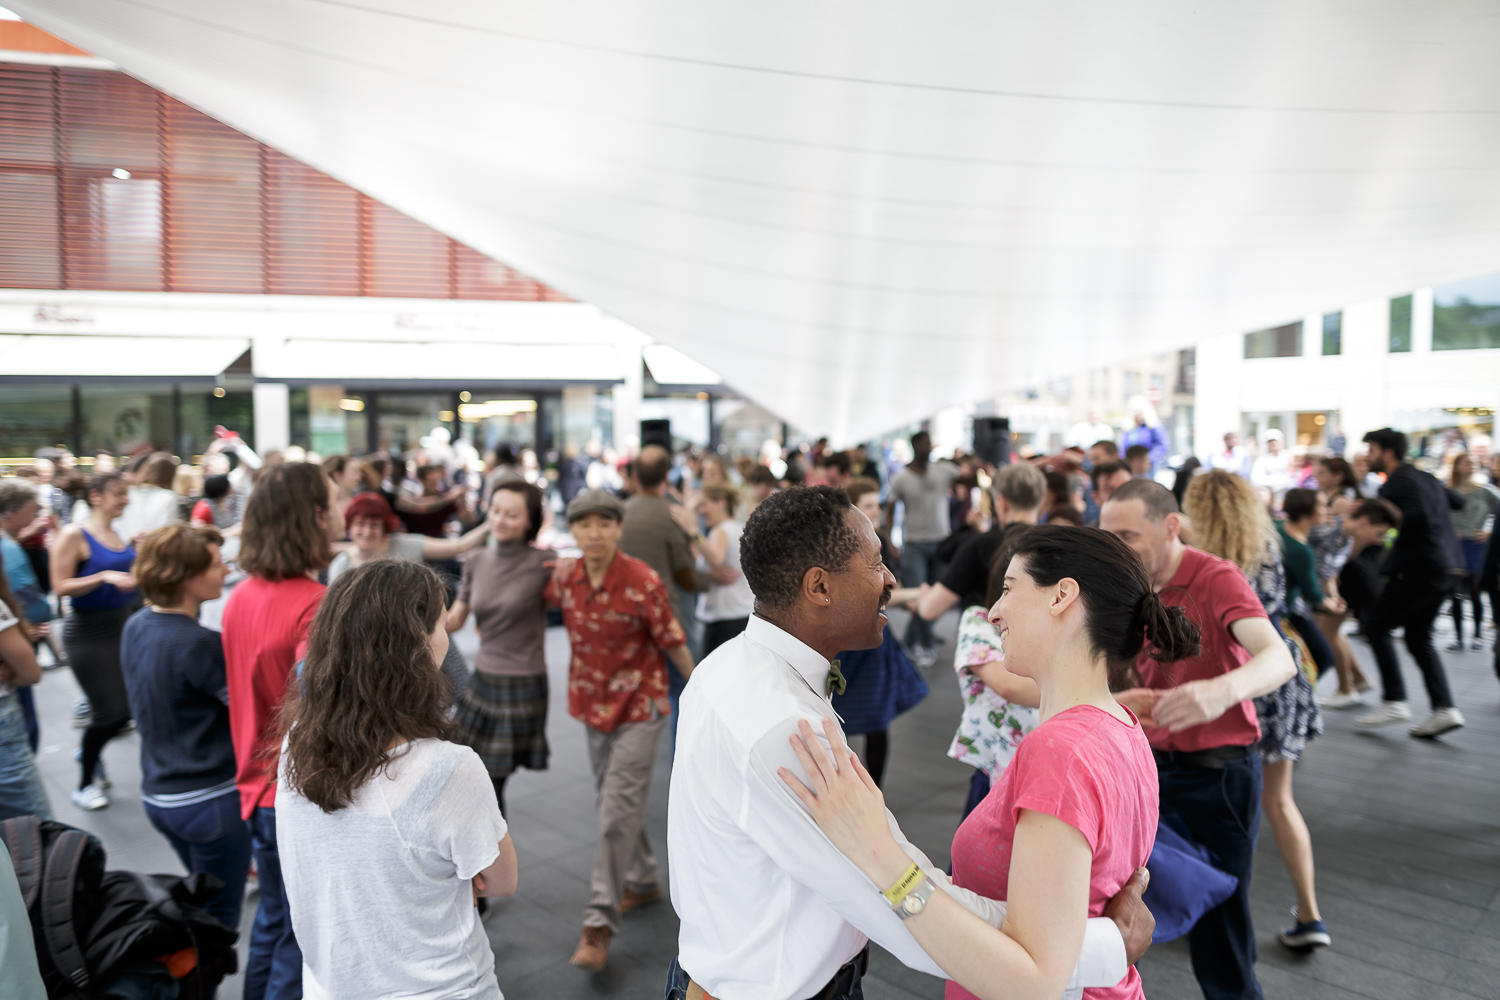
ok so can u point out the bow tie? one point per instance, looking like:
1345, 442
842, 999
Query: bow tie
836, 682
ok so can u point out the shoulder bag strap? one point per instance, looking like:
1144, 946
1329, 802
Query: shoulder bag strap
23, 838
59, 881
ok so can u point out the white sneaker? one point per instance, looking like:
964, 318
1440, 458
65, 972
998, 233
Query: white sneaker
1387, 713
90, 797
1439, 722
1341, 700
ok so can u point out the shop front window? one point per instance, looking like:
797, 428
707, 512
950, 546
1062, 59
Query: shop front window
35, 416
405, 418
123, 418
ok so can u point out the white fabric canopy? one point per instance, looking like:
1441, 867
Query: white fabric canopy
861, 213
116, 357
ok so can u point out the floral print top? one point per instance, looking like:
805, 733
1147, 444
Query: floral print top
618, 632
992, 728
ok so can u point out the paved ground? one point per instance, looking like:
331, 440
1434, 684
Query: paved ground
1407, 835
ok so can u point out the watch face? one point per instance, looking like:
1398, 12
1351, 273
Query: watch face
912, 905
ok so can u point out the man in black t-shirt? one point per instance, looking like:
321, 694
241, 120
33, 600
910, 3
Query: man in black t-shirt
1018, 492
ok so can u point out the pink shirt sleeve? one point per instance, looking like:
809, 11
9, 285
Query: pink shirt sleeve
1058, 781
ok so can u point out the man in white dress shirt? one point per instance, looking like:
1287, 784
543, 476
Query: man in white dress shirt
769, 908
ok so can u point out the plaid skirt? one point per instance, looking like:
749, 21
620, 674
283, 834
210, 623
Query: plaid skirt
504, 720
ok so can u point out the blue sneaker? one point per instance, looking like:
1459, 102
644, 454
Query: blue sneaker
1307, 934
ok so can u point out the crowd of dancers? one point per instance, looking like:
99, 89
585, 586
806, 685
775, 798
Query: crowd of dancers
1132, 659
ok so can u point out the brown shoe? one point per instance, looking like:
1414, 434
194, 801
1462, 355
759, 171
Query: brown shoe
635, 900
593, 948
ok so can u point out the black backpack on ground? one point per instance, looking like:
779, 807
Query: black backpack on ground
95, 929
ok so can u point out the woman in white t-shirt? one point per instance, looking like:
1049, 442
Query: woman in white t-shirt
725, 606
388, 833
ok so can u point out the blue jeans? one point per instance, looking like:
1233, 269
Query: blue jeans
916, 563
28, 712
1221, 810
210, 837
21, 791
677, 986
273, 970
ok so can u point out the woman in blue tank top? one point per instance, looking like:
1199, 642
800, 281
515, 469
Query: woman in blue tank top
91, 567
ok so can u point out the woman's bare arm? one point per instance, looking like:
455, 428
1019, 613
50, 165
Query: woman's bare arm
457, 615
500, 878
17, 658
1013, 688
1033, 957
67, 554
447, 548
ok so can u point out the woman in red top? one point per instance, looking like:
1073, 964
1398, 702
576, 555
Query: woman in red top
289, 522
1072, 818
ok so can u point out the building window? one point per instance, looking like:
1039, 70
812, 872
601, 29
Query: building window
1401, 325
1277, 342
1333, 334
1466, 314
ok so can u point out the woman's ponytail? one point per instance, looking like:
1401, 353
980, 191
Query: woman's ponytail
1170, 634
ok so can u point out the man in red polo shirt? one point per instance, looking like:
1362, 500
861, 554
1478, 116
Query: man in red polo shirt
620, 624
1201, 720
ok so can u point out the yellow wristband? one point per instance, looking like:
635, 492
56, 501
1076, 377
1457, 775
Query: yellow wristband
896, 893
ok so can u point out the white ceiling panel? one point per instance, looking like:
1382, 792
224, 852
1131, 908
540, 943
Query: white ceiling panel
861, 213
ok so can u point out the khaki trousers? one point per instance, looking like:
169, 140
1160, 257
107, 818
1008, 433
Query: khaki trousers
623, 761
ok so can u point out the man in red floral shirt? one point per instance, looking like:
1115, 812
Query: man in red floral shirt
620, 624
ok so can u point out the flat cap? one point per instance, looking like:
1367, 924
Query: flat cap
596, 502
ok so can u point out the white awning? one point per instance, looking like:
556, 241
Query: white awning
861, 214
669, 366
118, 357
448, 361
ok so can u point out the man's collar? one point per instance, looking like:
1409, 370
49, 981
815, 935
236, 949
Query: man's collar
804, 659
581, 571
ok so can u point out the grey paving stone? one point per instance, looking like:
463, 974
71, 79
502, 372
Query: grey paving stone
1406, 834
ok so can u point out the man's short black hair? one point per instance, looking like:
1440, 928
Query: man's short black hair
790, 533
1110, 448
1104, 470
1136, 451
1299, 504
1158, 499
1389, 440
1378, 511
837, 460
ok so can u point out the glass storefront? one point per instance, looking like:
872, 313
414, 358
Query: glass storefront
35, 416
118, 417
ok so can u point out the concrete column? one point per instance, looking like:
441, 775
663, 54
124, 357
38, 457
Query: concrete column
577, 417
1216, 405
1312, 336
627, 401
273, 416
1367, 335
1421, 321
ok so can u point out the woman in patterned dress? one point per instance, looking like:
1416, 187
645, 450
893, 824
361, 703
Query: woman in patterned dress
1230, 522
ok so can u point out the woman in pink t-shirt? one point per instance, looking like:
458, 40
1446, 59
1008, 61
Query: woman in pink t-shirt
1074, 816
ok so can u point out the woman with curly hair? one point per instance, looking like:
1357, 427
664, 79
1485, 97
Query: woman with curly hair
1229, 521
388, 832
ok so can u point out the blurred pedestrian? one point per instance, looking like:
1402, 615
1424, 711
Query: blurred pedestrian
1473, 525
1421, 568
725, 604
622, 630
1229, 522
91, 567
289, 523
174, 674
502, 711
153, 502
21, 790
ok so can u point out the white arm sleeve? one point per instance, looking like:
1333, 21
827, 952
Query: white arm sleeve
775, 818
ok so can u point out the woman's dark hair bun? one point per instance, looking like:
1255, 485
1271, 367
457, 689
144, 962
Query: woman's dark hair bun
1170, 634
1124, 614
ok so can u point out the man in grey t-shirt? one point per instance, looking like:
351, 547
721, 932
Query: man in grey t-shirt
922, 490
